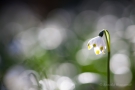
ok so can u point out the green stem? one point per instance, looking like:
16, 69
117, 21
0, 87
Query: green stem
107, 36
108, 71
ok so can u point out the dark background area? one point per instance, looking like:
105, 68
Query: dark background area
44, 6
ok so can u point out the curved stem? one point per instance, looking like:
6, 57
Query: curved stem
36, 79
107, 36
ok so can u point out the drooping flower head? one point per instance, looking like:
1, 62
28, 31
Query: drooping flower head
97, 43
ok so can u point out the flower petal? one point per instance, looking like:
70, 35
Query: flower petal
98, 44
89, 46
101, 44
97, 50
99, 41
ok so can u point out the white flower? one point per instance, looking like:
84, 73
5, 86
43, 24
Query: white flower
98, 44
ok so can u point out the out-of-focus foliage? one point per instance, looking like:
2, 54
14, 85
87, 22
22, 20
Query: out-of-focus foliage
47, 50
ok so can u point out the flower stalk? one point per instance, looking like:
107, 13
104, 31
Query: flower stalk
107, 36
99, 47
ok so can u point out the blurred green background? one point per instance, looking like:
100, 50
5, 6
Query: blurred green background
43, 44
